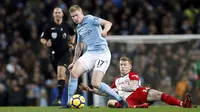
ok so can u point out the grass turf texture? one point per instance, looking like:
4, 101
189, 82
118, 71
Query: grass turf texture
95, 109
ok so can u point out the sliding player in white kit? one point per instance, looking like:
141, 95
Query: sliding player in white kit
97, 56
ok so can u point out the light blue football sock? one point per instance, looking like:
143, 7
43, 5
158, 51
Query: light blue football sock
106, 89
72, 87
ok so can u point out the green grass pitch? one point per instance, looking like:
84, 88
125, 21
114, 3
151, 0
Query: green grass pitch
102, 109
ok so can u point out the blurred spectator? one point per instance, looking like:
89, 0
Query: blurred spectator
3, 95
182, 87
16, 94
197, 73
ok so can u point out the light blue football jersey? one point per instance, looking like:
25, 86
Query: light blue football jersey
89, 32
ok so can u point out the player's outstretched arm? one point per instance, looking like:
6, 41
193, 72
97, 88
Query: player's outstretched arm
87, 88
132, 87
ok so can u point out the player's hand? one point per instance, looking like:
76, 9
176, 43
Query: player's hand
71, 46
84, 87
116, 89
49, 43
70, 66
104, 33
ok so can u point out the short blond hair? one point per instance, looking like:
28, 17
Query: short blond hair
74, 8
125, 58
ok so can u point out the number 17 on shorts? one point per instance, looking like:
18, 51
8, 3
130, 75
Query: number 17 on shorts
102, 65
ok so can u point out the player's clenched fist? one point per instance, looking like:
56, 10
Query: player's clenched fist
104, 33
70, 66
49, 43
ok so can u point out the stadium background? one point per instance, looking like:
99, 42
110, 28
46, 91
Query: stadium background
27, 78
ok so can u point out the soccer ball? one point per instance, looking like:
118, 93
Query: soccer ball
77, 101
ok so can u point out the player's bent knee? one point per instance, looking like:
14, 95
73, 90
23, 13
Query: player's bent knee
158, 95
74, 74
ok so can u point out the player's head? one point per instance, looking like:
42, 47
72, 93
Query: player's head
58, 13
76, 14
125, 65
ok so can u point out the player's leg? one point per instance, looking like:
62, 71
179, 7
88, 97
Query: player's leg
138, 99
54, 64
77, 70
60, 84
96, 83
82, 64
61, 75
101, 65
154, 95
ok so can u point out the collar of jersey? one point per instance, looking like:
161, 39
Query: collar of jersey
83, 20
128, 73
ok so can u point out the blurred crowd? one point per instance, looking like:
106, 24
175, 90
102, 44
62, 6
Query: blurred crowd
27, 77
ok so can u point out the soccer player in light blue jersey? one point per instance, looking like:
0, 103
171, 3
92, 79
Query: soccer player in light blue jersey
96, 58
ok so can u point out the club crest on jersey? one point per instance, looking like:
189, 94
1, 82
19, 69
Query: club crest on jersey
64, 35
54, 35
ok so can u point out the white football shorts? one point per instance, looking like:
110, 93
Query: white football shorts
94, 62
